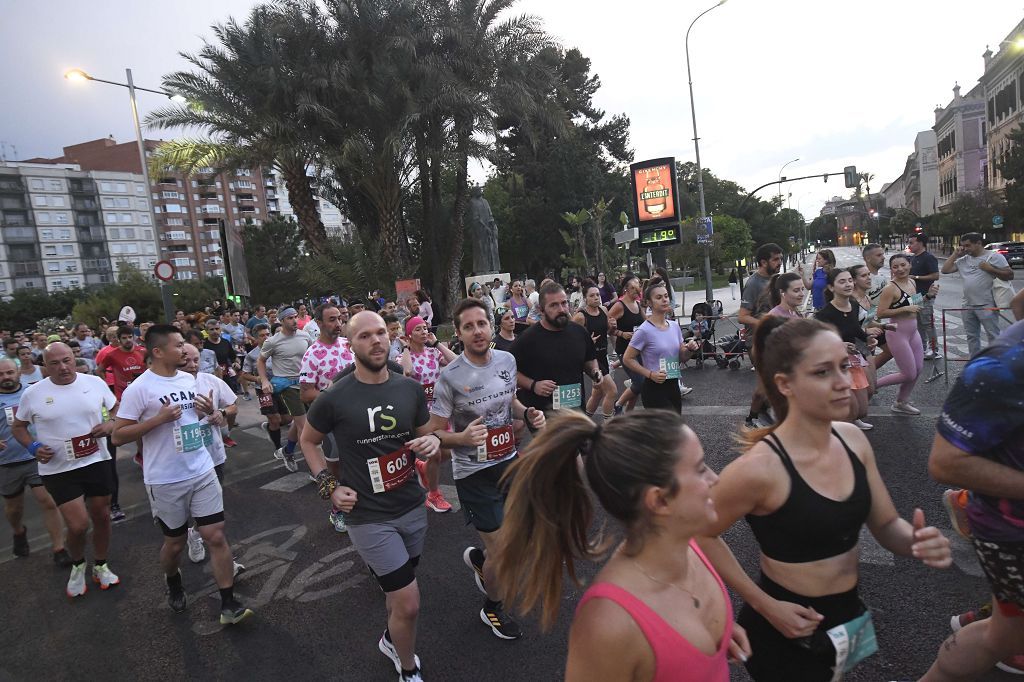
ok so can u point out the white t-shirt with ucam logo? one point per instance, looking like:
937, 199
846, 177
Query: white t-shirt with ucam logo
64, 416
174, 451
222, 397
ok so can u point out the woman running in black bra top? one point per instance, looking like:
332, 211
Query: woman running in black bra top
806, 487
627, 314
594, 318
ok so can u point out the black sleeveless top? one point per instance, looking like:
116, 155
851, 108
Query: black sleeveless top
627, 323
810, 526
597, 324
903, 301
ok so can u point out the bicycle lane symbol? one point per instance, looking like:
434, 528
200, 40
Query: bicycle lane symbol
273, 562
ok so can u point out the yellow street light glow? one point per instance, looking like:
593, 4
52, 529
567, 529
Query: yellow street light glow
77, 75
1019, 43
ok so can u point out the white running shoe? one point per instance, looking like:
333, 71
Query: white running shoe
684, 390
863, 425
388, 649
905, 408
279, 453
76, 583
105, 577
196, 548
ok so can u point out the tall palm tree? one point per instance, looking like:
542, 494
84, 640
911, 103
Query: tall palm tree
251, 94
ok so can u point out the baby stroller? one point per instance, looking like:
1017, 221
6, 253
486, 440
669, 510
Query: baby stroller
733, 347
703, 330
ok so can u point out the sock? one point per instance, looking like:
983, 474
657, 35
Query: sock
409, 673
289, 449
174, 581
99, 562
227, 596
491, 605
78, 563
590, 415
752, 415
607, 416
275, 436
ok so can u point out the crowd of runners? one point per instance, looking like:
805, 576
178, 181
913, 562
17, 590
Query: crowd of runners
522, 405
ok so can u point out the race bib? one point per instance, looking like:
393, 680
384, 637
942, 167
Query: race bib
80, 446
567, 397
266, 399
188, 437
207, 432
11, 413
670, 367
520, 311
917, 299
391, 471
854, 641
500, 443
429, 390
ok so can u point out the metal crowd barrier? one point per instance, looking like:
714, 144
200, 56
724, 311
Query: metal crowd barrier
1003, 317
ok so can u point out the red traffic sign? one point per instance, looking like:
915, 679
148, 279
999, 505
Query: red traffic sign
164, 270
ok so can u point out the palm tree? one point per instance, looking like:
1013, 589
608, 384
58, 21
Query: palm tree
251, 95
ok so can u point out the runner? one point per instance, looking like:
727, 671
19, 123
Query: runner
271, 406
68, 411
422, 359
899, 303
657, 610
19, 470
787, 293
164, 408
227, 360
379, 420
553, 355
125, 362
593, 317
225, 405
285, 349
328, 355
754, 303
626, 313
659, 343
980, 446
874, 258
475, 396
924, 272
807, 486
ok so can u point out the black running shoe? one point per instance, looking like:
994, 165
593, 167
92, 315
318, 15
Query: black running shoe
502, 625
21, 543
62, 559
474, 558
176, 598
234, 613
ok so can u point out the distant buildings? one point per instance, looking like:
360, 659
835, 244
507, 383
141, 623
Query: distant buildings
335, 223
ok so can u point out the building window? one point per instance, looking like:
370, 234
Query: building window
73, 283
53, 266
107, 186
49, 250
67, 249
140, 188
64, 234
58, 284
110, 217
62, 218
57, 201
126, 218
172, 208
122, 187
55, 185
39, 200
46, 234
36, 183
144, 219
42, 217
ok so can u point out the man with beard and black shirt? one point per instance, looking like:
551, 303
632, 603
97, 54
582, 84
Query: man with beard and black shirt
552, 356
227, 362
380, 423
753, 306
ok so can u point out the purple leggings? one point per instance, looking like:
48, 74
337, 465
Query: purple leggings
905, 345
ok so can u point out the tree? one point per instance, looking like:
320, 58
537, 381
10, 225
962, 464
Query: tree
579, 238
272, 253
250, 95
1012, 168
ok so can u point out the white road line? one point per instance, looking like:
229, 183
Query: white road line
289, 483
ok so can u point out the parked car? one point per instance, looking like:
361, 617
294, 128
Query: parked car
1013, 252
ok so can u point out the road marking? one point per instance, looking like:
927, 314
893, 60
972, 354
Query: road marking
289, 483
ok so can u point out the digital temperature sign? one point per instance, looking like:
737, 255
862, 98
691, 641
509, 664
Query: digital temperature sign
659, 236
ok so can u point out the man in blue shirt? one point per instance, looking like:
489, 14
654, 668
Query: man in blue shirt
924, 272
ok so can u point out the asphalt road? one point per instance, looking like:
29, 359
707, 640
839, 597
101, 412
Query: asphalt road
319, 614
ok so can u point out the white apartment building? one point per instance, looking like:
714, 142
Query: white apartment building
335, 223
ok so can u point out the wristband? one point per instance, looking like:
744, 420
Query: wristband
325, 484
532, 385
33, 447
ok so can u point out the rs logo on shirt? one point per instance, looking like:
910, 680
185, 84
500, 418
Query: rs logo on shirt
386, 420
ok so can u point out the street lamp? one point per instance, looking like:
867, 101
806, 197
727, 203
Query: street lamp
780, 177
77, 76
696, 148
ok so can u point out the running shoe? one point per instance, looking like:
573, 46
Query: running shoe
246, 396
619, 409
105, 577
62, 559
265, 426
21, 543
436, 501
502, 625
388, 649
421, 473
279, 453
1013, 665
955, 502
234, 613
929, 355
76, 583
289, 463
414, 676
337, 521
196, 548
230, 442
751, 424
176, 598
237, 568
905, 408
863, 425
474, 558
957, 623
628, 383
937, 355
116, 515
685, 390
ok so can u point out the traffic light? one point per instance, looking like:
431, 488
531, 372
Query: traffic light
850, 175
825, 176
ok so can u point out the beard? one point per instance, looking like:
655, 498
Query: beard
8, 384
371, 363
560, 321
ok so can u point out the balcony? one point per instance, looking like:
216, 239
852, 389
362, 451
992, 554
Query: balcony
209, 196
206, 182
84, 204
168, 181
247, 209
27, 270
93, 234
12, 186
94, 250
15, 203
246, 197
14, 219
81, 186
19, 235
93, 265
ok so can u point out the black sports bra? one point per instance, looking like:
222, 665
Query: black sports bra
902, 302
809, 526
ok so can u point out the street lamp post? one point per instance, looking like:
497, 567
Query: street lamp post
710, 296
79, 75
780, 177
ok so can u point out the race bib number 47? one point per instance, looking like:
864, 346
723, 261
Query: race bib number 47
80, 446
500, 443
567, 397
391, 471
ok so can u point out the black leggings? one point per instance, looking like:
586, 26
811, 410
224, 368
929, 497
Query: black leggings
664, 396
810, 659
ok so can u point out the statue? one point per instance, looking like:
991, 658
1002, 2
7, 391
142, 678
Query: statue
485, 234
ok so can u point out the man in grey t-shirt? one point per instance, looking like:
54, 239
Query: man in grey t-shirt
286, 349
979, 269
475, 394
756, 303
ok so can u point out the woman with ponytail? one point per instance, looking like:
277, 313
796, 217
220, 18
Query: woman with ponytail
806, 487
657, 610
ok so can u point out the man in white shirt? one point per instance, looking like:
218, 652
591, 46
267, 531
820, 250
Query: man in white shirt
69, 411
979, 269
165, 408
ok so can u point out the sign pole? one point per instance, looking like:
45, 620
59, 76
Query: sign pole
164, 271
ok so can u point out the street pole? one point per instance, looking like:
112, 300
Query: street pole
165, 291
708, 292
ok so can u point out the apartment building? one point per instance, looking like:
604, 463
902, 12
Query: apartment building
1002, 82
188, 209
336, 224
962, 150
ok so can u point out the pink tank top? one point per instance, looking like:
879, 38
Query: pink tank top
673, 654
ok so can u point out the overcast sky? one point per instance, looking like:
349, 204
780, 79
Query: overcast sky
833, 83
